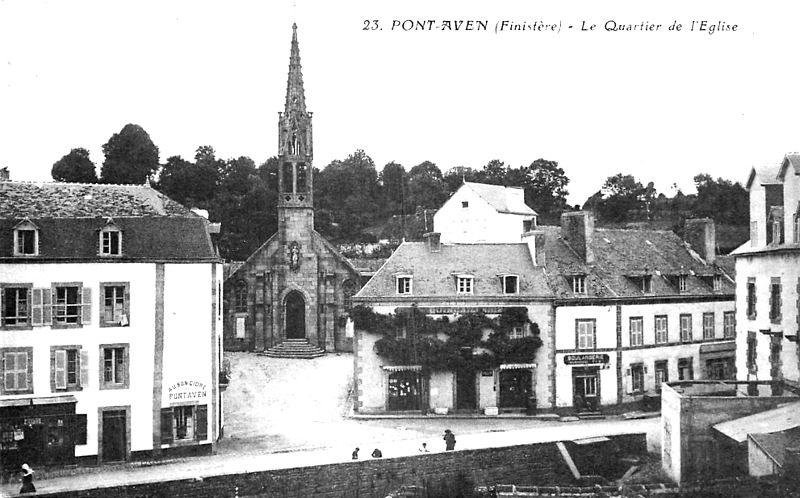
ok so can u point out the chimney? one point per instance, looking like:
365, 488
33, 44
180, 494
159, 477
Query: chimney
701, 235
5, 175
535, 240
433, 241
577, 230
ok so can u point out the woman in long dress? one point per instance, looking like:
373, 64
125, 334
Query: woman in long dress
27, 479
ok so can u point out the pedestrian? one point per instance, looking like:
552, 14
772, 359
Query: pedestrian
355, 453
27, 479
376, 453
449, 440
423, 448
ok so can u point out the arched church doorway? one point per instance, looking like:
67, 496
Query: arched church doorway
295, 316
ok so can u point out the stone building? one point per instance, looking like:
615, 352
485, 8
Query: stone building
290, 297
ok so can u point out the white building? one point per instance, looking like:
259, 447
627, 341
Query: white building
110, 322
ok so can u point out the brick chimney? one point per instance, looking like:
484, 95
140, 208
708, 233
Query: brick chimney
535, 240
577, 230
701, 235
433, 241
5, 175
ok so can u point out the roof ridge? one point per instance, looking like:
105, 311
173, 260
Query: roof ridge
79, 184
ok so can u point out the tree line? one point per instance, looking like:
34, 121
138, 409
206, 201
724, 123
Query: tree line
354, 202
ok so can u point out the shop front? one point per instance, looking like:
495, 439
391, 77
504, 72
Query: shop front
586, 380
719, 360
40, 431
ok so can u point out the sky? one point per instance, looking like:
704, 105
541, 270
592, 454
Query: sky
662, 105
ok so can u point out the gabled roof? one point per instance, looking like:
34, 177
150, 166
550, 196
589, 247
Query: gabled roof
790, 162
778, 419
765, 175
434, 273
510, 200
79, 200
774, 444
621, 254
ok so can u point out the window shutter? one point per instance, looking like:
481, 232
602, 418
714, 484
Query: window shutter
84, 367
201, 423
61, 369
47, 309
22, 371
2, 305
9, 365
86, 305
36, 308
127, 306
166, 426
80, 429
628, 382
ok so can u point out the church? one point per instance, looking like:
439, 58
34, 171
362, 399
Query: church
290, 298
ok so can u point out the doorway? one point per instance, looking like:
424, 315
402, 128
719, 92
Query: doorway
466, 390
515, 388
115, 440
404, 391
295, 316
586, 389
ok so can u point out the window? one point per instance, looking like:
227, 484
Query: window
67, 305
662, 374
67, 368
751, 298
685, 369
775, 300
585, 334
184, 423
116, 304
114, 366
661, 329
637, 331
110, 241
682, 285
708, 325
717, 283
751, 352
686, 328
647, 284
349, 289
720, 369
579, 284
464, 285
517, 332
240, 297
16, 306
26, 239
464, 204
797, 226
17, 371
404, 285
637, 378
510, 284
729, 324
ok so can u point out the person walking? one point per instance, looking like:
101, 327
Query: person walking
449, 440
376, 453
27, 480
355, 453
423, 448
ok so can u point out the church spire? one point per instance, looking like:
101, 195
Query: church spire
295, 96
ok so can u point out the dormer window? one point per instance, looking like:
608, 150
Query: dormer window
510, 284
111, 240
578, 284
644, 282
26, 239
717, 283
682, 284
464, 284
404, 284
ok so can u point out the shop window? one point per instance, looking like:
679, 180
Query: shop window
17, 368
686, 328
184, 423
26, 239
661, 373
71, 305
404, 285
708, 326
685, 369
110, 240
661, 329
637, 378
775, 300
751, 298
404, 391
585, 334
636, 325
114, 366
510, 284
68, 368
464, 284
15, 306
116, 304
729, 324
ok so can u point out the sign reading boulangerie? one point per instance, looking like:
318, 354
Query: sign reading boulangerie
187, 390
586, 359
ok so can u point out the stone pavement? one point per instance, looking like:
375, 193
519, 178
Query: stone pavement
245, 462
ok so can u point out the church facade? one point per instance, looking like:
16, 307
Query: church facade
290, 298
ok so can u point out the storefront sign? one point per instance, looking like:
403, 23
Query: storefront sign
458, 310
187, 390
586, 359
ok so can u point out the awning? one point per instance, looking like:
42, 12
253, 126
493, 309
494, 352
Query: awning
718, 350
517, 366
402, 368
53, 400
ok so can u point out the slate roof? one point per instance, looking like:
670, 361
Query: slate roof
775, 444
792, 160
777, 419
69, 217
621, 254
434, 273
500, 198
767, 175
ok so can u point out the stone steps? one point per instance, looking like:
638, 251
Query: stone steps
294, 348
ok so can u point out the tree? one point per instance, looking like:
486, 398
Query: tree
622, 194
75, 167
131, 157
426, 188
494, 173
456, 176
546, 189
723, 200
393, 183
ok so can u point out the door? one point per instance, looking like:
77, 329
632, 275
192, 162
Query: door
114, 436
404, 391
586, 392
515, 388
295, 316
466, 390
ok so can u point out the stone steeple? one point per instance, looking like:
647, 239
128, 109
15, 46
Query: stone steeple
295, 149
